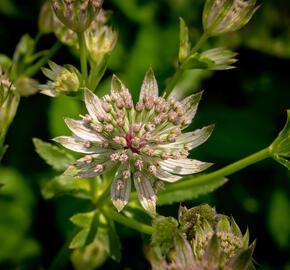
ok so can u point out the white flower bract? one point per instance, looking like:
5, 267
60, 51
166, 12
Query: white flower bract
145, 142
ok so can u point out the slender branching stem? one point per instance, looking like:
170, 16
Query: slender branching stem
83, 55
129, 222
179, 71
31, 71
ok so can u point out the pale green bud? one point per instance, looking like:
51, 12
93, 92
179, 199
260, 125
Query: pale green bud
224, 16
26, 86
76, 14
45, 19
100, 41
63, 80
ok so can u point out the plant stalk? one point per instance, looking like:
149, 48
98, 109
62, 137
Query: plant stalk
226, 171
83, 55
179, 71
129, 222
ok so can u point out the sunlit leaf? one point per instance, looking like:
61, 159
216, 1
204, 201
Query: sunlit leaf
53, 155
61, 185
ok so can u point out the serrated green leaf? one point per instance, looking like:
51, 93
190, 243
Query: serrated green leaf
110, 239
196, 61
188, 190
90, 223
61, 185
53, 155
184, 44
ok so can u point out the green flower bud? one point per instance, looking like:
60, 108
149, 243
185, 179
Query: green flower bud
45, 19
26, 86
216, 242
64, 80
224, 16
221, 58
76, 14
100, 41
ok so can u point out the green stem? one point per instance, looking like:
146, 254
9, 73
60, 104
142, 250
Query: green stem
129, 222
179, 71
202, 39
174, 79
221, 173
31, 71
83, 55
226, 171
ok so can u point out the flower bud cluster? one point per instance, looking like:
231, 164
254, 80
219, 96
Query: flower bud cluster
216, 242
63, 80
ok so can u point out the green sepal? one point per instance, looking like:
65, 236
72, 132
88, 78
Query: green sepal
242, 260
196, 61
224, 225
184, 44
53, 155
89, 222
280, 148
212, 251
63, 185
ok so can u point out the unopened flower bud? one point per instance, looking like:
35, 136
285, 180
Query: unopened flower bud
223, 16
63, 80
76, 14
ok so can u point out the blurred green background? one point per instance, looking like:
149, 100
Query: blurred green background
248, 105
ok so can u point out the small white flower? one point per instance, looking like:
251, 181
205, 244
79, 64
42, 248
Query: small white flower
145, 149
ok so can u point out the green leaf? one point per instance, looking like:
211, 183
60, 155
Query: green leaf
278, 218
188, 190
62, 185
5, 62
280, 148
196, 61
53, 155
110, 239
17, 202
89, 222
184, 44
90, 257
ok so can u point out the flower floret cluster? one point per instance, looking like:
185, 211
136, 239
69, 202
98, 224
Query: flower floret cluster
145, 142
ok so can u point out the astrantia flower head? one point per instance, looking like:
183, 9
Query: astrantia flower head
204, 240
145, 141
223, 16
76, 14
64, 80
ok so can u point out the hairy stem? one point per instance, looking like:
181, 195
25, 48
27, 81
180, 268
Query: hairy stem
83, 56
129, 222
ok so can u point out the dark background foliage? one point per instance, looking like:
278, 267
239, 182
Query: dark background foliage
248, 105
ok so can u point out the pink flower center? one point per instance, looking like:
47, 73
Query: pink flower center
135, 144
